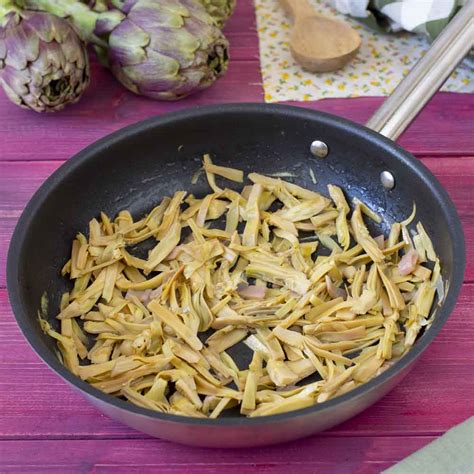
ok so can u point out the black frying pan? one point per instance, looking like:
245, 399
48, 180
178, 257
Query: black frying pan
137, 166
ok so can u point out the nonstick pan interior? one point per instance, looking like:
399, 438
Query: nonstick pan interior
135, 168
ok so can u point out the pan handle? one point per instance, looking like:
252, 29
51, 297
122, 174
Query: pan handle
428, 75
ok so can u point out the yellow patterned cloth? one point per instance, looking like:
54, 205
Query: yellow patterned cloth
382, 62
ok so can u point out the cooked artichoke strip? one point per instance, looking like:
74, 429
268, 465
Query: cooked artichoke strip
362, 236
342, 227
229, 173
164, 247
250, 391
252, 216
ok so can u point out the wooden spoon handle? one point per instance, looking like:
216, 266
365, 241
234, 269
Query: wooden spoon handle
297, 8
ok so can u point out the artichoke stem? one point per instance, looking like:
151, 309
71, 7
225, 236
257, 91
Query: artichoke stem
79, 14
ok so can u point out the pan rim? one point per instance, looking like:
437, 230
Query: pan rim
88, 153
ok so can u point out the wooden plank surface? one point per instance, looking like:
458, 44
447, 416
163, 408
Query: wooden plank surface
444, 128
45, 426
348, 455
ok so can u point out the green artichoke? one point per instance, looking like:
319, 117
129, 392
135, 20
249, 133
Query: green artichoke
220, 10
163, 49
43, 63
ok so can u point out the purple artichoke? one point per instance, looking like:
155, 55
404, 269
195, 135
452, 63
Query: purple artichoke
167, 50
163, 49
43, 63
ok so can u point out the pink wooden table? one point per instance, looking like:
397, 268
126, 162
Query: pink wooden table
46, 427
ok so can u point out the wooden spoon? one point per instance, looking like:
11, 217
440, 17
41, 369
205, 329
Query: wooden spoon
318, 43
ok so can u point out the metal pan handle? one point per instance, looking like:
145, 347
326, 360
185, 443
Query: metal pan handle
428, 75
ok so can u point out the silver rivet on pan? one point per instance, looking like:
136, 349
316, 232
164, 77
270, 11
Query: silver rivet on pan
387, 179
319, 149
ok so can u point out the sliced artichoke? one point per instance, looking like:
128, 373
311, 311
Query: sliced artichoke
342, 317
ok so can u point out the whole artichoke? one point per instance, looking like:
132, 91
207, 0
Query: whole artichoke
220, 10
166, 50
163, 49
43, 63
